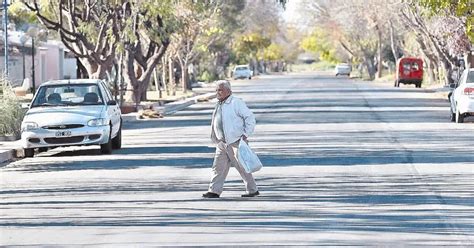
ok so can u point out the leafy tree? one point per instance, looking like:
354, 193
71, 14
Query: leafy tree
20, 15
273, 52
85, 28
459, 8
215, 49
318, 43
144, 31
97, 31
196, 32
251, 46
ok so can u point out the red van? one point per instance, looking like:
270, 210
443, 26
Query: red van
409, 71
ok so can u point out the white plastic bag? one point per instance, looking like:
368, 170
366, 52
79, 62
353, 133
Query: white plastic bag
247, 158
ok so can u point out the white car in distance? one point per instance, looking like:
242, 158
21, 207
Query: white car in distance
242, 71
343, 69
72, 113
462, 98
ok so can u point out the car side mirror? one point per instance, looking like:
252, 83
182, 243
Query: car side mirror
112, 102
25, 105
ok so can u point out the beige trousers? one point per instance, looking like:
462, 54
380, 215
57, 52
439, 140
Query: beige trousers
226, 156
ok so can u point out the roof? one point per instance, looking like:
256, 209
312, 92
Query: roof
72, 81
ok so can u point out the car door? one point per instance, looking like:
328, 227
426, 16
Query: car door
113, 111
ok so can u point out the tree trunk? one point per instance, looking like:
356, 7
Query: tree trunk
172, 82
379, 52
157, 80
392, 42
185, 78
183, 62
164, 81
95, 70
448, 71
369, 62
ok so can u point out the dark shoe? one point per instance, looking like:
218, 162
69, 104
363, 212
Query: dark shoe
251, 194
210, 195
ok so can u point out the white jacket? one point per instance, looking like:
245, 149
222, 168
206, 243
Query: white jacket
237, 120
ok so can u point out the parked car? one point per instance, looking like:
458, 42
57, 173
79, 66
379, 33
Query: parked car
242, 71
72, 113
462, 98
409, 71
343, 69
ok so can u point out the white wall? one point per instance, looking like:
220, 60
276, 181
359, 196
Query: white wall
50, 64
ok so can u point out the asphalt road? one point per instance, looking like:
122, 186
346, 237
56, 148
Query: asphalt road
346, 163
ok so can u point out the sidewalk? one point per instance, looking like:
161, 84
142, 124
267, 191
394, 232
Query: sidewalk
10, 150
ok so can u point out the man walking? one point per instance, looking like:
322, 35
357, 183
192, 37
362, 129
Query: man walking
232, 121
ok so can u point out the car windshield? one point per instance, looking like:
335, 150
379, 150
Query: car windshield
68, 95
470, 77
241, 68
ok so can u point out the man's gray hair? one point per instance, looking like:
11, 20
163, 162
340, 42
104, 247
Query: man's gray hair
224, 83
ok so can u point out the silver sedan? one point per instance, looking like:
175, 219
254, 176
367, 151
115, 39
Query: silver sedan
72, 113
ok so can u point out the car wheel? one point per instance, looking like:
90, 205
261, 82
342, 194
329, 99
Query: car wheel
459, 117
250, 78
107, 147
29, 152
117, 141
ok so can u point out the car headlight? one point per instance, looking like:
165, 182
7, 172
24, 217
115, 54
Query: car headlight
97, 122
28, 126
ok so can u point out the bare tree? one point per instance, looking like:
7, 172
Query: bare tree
145, 37
86, 28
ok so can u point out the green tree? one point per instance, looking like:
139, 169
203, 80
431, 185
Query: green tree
273, 52
196, 32
460, 8
98, 31
319, 43
20, 15
251, 46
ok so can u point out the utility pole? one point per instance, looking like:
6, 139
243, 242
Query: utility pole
33, 64
5, 17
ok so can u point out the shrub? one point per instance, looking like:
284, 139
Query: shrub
205, 76
11, 113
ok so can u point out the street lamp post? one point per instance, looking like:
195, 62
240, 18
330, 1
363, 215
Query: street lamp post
33, 84
5, 16
23, 40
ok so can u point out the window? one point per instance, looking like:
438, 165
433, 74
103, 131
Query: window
67, 94
470, 77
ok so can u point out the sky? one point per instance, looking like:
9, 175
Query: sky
293, 16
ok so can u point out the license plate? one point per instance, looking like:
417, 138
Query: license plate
66, 133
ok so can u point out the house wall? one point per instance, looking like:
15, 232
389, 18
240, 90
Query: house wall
50, 64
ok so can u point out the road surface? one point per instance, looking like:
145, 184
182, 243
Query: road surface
345, 163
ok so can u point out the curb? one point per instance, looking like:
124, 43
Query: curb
6, 155
172, 107
10, 154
